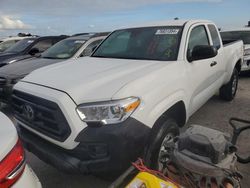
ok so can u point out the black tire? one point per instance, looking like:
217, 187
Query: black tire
158, 134
228, 91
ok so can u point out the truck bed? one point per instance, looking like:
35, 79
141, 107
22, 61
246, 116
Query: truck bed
228, 42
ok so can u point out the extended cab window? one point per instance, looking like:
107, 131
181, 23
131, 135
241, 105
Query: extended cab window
215, 36
149, 43
198, 37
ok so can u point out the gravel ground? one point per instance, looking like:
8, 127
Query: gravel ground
215, 113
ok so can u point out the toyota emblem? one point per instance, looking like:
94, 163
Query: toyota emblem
28, 112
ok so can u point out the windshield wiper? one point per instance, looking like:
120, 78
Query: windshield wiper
47, 57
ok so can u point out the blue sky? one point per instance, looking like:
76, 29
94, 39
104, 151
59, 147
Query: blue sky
72, 16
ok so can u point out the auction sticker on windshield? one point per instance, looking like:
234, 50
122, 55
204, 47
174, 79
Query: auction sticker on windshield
167, 31
79, 41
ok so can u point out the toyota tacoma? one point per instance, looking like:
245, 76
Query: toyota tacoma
140, 85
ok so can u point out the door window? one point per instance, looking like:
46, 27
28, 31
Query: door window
198, 37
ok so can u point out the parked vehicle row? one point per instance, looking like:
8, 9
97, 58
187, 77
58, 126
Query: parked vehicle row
140, 85
69, 48
27, 48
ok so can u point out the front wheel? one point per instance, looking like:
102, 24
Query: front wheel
163, 133
228, 91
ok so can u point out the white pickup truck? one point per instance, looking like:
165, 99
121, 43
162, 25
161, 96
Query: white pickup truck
101, 112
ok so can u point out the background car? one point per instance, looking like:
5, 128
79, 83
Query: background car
240, 34
70, 48
27, 48
8, 42
14, 171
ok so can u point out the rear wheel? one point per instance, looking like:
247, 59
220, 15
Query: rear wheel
165, 132
228, 91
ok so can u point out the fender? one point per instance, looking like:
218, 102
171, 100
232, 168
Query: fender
151, 114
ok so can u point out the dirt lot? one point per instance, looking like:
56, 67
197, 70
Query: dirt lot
215, 113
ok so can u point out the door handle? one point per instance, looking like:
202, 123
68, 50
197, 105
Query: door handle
213, 64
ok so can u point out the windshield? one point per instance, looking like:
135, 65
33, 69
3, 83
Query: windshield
20, 46
64, 49
150, 43
236, 35
7, 44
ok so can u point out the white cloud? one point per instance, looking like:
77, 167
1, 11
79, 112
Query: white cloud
8, 22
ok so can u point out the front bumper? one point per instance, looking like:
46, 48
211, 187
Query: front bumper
109, 148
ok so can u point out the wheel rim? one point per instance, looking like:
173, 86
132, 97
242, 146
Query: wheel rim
234, 84
168, 139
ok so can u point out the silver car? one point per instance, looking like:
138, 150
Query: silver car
14, 172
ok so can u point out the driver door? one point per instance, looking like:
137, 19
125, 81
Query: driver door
200, 72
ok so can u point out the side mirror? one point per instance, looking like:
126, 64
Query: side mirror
201, 52
34, 51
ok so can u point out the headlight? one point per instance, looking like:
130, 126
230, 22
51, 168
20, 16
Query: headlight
109, 112
247, 52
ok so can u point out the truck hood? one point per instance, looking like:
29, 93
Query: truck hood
92, 79
21, 68
8, 136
